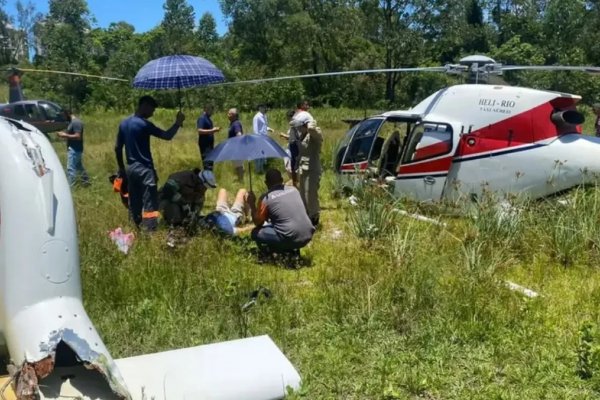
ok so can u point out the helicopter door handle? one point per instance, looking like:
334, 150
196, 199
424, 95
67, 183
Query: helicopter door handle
429, 180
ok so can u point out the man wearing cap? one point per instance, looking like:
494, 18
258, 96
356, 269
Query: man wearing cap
182, 196
134, 134
260, 126
290, 229
310, 140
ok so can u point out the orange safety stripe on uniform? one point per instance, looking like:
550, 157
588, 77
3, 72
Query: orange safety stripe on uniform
117, 184
150, 214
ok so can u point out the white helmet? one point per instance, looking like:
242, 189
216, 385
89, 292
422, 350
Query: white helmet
208, 178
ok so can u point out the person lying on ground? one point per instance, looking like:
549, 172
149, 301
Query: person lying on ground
290, 229
182, 196
228, 219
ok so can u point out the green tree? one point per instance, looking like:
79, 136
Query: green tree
65, 45
178, 26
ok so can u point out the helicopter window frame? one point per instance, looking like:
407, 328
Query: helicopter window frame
410, 148
51, 111
366, 131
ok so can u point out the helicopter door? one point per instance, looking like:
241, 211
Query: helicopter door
353, 154
426, 159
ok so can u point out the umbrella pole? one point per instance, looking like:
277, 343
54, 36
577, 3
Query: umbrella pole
250, 173
179, 93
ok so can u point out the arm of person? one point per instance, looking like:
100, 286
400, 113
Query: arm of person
119, 152
259, 213
170, 133
204, 132
70, 136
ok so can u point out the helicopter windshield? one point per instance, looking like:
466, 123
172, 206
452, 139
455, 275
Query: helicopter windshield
53, 111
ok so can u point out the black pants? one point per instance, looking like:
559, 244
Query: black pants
206, 145
143, 196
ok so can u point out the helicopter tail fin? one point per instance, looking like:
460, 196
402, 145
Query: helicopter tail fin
15, 92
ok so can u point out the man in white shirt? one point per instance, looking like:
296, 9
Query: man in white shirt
260, 126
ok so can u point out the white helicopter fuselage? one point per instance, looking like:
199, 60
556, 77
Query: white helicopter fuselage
467, 140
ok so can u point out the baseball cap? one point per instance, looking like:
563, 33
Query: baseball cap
208, 178
302, 118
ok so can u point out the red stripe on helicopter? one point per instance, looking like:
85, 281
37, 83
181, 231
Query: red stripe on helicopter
361, 166
438, 165
528, 127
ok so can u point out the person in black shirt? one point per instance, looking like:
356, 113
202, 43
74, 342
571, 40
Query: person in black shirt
74, 136
134, 134
206, 135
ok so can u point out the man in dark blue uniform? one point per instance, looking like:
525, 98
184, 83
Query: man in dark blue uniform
206, 135
134, 134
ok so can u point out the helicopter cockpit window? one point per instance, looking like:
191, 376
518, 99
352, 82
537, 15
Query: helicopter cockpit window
428, 140
32, 112
19, 111
52, 111
362, 141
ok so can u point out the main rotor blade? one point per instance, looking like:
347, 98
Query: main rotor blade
73, 74
592, 70
339, 73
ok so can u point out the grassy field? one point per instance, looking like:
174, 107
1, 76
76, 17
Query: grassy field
389, 308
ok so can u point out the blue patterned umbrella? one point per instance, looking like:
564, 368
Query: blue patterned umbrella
177, 72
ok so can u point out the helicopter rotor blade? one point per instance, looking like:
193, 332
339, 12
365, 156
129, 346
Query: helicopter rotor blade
593, 70
73, 74
338, 73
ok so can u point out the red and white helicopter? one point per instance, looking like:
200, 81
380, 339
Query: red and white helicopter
472, 138
468, 139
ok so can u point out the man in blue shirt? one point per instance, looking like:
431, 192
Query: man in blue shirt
134, 134
235, 129
206, 135
74, 136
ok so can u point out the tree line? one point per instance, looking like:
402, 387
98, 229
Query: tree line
267, 38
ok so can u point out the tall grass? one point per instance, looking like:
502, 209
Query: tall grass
390, 307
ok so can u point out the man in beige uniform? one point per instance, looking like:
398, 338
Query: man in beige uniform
310, 141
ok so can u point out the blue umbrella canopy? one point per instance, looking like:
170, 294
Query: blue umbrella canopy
246, 148
177, 72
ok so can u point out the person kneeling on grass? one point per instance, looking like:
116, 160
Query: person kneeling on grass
182, 196
290, 229
227, 219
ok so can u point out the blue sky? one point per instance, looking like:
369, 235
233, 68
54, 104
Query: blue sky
142, 14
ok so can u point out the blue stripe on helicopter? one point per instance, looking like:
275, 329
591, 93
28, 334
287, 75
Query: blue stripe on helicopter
421, 176
498, 153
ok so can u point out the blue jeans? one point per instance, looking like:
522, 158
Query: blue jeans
75, 167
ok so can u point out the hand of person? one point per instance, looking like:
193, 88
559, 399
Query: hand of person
180, 118
251, 198
61, 135
216, 129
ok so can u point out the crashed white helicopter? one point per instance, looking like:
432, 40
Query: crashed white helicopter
468, 139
